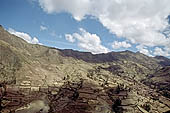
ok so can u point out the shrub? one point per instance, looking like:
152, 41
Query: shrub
147, 107
116, 106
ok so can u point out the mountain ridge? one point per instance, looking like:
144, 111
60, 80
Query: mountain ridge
74, 51
109, 75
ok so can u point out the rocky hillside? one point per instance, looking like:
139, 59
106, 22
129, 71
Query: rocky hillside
79, 82
160, 80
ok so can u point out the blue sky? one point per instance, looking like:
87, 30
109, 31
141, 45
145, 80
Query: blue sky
97, 27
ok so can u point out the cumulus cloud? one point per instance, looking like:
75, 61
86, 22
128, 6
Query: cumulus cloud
69, 38
87, 41
78, 8
139, 21
24, 36
144, 50
162, 52
43, 28
118, 45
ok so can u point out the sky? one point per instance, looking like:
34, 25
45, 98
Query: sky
97, 26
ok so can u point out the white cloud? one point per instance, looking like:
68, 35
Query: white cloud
139, 21
76, 7
24, 36
35, 41
161, 52
144, 50
87, 41
43, 28
118, 45
69, 38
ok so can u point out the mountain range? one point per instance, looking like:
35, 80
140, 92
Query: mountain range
143, 81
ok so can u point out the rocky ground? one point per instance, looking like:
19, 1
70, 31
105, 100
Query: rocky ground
86, 97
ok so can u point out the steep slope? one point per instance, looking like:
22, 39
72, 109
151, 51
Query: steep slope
38, 65
160, 80
9, 63
163, 60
